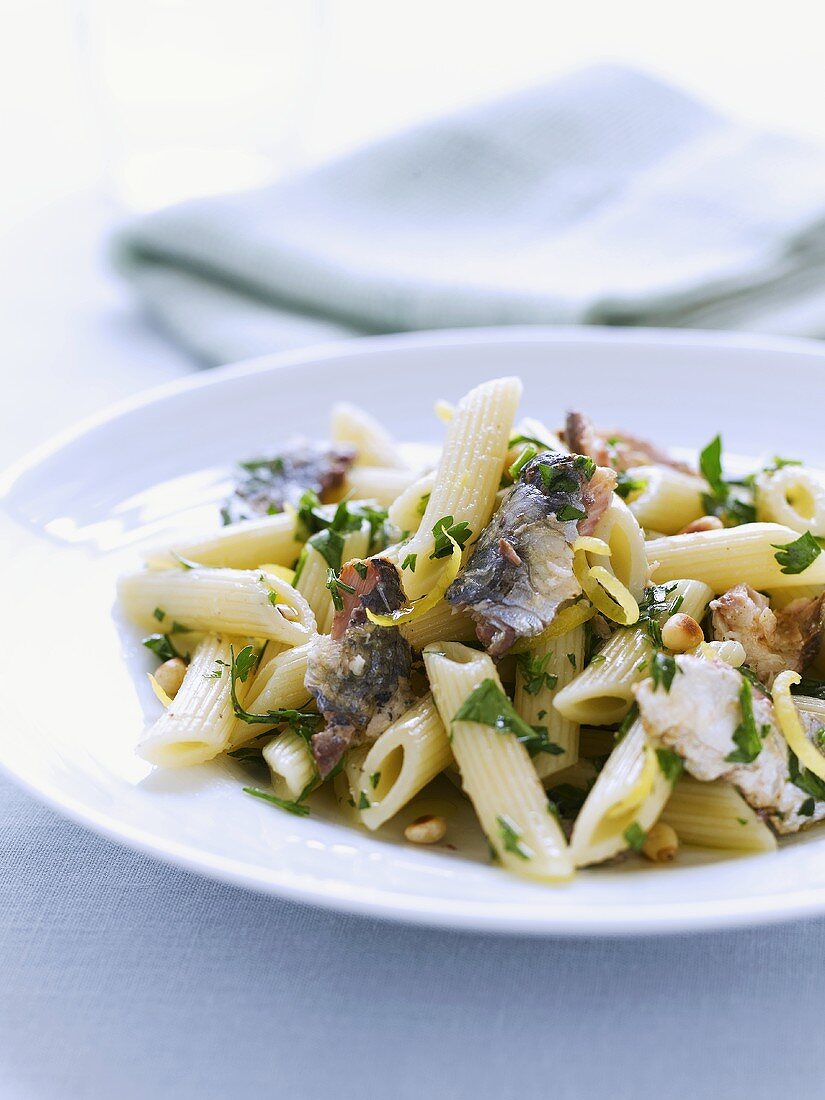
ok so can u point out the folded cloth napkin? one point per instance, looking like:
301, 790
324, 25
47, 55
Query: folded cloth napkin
605, 197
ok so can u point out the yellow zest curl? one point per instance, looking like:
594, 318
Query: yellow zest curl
605, 590
445, 578
592, 545
158, 690
640, 790
788, 718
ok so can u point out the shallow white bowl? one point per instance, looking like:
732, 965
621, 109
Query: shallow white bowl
73, 699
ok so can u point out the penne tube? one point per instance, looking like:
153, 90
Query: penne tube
198, 722
407, 509
440, 624
715, 815
354, 426
468, 473
619, 528
313, 569
793, 496
669, 501
403, 760
496, 771
233, 601
278, 685
379, 484
625, 801
291, 765
244, 545
603, 693
729, 556
540, 673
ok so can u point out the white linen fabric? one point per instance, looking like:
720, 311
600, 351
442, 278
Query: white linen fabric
605, 197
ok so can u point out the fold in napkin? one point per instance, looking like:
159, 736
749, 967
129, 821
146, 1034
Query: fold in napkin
606, 197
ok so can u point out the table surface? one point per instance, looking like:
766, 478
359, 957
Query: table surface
123, 977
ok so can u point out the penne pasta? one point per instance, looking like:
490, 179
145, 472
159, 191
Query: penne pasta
496, 772
197, 724
540, 673
625, 801
402, 761
729, 556
469, 472
668, 500
354, 426
603, 693
715, 815
291, 764
244, 545
234, 601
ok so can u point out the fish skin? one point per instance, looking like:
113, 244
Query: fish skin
264, 486
521, 571
360, 675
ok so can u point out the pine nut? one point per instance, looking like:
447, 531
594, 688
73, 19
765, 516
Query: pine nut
704, 523
661, 843
170, 675
681, 633
428, 829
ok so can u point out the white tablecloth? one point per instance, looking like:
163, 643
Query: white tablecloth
120, 977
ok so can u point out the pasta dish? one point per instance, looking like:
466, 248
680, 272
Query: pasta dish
607, 651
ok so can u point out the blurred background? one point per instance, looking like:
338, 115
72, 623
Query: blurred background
118, 107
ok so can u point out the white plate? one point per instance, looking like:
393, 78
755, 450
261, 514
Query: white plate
72, 693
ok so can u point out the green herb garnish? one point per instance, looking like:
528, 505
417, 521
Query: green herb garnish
443, 531
746, 736
489, 706
511, 835
670, 764
635, 836
534, 673
796, 556
663, 668
300, 809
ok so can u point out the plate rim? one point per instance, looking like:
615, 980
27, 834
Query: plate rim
666, 918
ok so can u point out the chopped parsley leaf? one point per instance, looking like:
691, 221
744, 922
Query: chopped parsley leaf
534, 673
336, 586
375, 779
489, 706
635, 836
663, 668
746, 736
511, 834
723, 500
526, 455
300, 809
409, 562
627, 485
796, 556
363, 802
626, 723
361, 569
805, 779
570, 511
159, 614
571, 657
422, 504
670, 764
443, 531
161, 646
